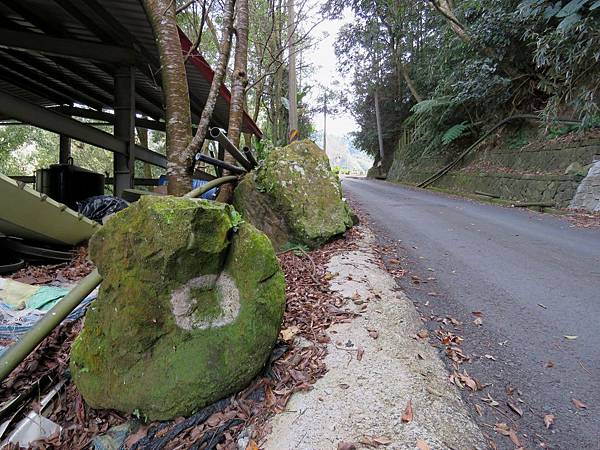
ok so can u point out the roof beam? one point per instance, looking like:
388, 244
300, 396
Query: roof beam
42, 43
108, 117
43, 118
21, 70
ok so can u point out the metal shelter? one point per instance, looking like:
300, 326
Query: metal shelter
94, 59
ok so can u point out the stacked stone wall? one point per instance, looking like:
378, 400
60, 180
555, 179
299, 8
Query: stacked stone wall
539, 171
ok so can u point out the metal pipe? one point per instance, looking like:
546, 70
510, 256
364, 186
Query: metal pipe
250, 157
218, 135
211, 184
17, 352
221, 164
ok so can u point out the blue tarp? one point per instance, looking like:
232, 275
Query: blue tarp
210, 195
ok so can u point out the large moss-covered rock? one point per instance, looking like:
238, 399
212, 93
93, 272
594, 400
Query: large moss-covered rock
188, 311
294, 197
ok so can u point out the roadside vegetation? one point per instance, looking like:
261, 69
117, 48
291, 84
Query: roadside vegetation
446, 70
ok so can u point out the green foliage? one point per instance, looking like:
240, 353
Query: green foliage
454, 133
236, 219
518, 56
557, 131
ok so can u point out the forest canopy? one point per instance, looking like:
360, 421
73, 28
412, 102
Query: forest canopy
451, 67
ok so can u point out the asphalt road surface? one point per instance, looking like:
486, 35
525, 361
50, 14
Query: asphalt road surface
534, 278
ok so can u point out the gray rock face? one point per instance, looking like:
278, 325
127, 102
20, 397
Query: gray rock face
294, 197
588, 193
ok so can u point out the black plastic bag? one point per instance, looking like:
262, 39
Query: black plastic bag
100, 206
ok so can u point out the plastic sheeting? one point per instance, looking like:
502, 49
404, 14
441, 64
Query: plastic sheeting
14, 323
100, 206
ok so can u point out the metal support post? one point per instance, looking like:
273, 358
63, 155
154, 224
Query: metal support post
124, 128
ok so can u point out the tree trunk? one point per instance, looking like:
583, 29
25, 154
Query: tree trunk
176, 94
446, 9
292, 85
238, 89
215, 87
409, 82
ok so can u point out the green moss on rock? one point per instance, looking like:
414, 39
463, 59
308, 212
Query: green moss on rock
187, 313
294, 197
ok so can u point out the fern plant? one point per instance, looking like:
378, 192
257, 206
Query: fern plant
453, 133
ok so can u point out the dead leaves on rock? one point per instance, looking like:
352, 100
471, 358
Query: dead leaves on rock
422, 445
375, 441
373, 333
407, 416
346, 446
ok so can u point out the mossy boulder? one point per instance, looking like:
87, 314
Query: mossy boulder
188, 311
294, 197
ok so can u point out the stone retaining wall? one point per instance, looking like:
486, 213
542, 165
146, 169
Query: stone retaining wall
534, 172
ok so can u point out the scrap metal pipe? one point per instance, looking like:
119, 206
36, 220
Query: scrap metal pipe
211, 184
217, 135
250, 157
17, 352
222, 164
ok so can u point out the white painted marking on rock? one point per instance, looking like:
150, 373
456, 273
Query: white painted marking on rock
183, 305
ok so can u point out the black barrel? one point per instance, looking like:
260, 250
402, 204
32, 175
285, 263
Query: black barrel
68, 184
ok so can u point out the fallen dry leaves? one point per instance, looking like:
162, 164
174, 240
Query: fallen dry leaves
422, 445
407, 416
375, 441
66, 273
311, 308
549, 420
464, 379
578, 404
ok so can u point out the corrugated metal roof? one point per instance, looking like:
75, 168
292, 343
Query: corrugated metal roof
46, 79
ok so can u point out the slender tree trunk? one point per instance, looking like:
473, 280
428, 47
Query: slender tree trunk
215, 87
446, 9
409, 82
292, 85
238, 89
176, 94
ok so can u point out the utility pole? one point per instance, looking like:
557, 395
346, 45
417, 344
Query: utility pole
378, 118
325, 122
292, 85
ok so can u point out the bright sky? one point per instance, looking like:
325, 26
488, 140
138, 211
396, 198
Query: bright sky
323, 57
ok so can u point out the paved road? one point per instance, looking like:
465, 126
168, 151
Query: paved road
505, 263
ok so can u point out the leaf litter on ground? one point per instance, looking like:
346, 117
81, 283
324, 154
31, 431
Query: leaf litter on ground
311, 309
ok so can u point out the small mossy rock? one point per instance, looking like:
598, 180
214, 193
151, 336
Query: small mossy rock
188, 310
294, 197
